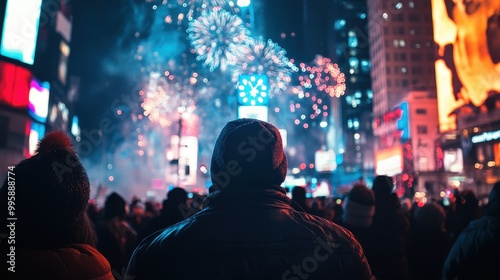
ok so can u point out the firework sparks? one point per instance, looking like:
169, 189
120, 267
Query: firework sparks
265, 58
161, 100
217, 38
324, 76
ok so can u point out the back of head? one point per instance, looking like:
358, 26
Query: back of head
248, 153
359, 206
382, 186
177, 196
493, 207
299, 193
431, 216
115, 206
52, 191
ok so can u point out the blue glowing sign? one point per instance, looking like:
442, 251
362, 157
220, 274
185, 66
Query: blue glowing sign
253, 90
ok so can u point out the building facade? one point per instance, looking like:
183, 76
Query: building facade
36, 90
401, 50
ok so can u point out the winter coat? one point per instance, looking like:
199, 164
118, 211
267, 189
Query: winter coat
476, 252
75, 262
250, 234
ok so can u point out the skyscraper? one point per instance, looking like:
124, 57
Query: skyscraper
350, 37
401, 50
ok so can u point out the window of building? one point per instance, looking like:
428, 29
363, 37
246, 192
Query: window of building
402, 56
416, 56
352, 39
414, 17
405, 83
365, 65
421, 129
421, 111
388, 70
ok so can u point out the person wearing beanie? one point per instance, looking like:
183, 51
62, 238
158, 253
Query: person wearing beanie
390, 230
359, 207
429, 242
54, 238
476, 252
117, 238
247, 228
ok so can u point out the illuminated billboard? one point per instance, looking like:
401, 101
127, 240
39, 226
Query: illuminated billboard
467, 65
389, 161
38, 106
254, 112
20, 30
14, 85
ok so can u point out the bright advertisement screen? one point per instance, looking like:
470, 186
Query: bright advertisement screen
254, 112
37, 131
20, 30
389, 161
14, 85
38, 106
453, 160
467, 35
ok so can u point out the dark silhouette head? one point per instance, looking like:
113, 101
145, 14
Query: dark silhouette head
115, 206
248, 153
382, 186
177, 196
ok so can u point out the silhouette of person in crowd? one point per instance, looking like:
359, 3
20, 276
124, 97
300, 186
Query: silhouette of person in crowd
476, 252
390, 228
248, 229
116, 238
429, 242
174, 210
54, 237
299, 200
359, 208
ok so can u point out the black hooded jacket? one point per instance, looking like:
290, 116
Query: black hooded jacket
250, 234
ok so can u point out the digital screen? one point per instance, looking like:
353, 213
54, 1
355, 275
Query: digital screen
453, 160
254, 112
14, 85
38, 106
389, 161
37, 131
467, 36
20, 30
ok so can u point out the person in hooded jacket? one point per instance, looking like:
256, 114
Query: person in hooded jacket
53, 236
248, 229
476, 252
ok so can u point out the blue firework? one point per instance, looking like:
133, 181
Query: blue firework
266, 58
217, 38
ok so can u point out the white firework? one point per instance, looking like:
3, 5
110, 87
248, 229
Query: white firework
266, 58
217, 38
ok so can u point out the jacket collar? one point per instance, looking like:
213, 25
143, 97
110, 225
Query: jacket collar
231, 197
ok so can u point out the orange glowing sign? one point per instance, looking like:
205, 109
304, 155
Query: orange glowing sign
467, 66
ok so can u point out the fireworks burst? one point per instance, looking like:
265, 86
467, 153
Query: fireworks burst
217, 38
161, 100
307, 107
265, 58
324, 76
197, 7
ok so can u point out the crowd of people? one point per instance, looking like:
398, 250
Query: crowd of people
247, 227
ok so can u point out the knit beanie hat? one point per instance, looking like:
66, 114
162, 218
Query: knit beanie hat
382, 186
248, 153
359, 207
51, 194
